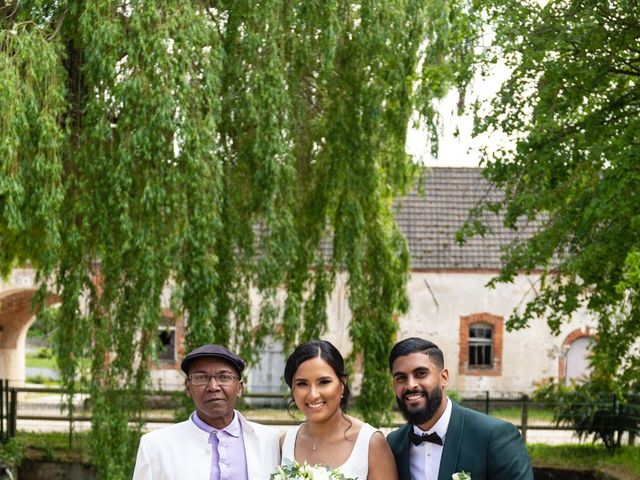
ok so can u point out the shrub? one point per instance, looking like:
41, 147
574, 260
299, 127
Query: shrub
11, 453
590, 409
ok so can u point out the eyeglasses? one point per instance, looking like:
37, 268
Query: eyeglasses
199, 379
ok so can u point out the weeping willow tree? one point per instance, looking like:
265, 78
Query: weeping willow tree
213, 149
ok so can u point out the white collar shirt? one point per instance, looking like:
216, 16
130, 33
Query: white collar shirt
228, 459
424, 459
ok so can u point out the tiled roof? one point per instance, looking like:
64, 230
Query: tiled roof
430, 220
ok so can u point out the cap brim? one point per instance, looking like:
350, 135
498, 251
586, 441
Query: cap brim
186, 363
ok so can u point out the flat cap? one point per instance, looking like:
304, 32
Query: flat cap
215, 351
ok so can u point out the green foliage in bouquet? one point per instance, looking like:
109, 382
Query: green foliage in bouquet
296, 471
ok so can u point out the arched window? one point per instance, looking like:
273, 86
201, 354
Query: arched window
574, 361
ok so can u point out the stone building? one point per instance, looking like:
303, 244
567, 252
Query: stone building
451, 305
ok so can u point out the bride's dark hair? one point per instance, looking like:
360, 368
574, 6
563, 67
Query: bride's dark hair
326, 351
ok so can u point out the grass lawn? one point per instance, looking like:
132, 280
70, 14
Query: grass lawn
622, 465
33, 360
41, 359
514, 415
56, 446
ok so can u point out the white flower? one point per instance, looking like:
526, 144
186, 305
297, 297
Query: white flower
321, 474
294, 471
461, 476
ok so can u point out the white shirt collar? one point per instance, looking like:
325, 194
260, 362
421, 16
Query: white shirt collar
441, 425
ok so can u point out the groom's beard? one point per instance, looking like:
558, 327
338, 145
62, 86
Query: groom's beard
420, 415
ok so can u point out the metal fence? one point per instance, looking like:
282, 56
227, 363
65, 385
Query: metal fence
536, 420
40, 416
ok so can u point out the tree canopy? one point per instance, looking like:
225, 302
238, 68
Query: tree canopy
572, 110
208, 148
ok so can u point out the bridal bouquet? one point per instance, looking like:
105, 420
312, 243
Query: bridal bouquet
294, 471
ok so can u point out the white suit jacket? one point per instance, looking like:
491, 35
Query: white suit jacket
182, 451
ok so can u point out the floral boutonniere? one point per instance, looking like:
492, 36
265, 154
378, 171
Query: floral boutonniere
294, 471
461, 476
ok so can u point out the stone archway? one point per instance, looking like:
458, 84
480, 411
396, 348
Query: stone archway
16, 316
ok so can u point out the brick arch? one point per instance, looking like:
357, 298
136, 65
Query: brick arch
497, 323
16, 316
566, 344
16, 312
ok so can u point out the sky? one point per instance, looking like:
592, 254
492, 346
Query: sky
462, 150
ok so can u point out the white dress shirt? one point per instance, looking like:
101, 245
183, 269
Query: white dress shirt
424, 459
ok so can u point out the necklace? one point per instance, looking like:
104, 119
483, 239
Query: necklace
315, 442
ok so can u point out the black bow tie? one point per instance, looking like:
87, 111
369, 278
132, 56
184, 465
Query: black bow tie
418, 439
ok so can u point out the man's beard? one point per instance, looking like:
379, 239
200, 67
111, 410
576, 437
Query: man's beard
422, 414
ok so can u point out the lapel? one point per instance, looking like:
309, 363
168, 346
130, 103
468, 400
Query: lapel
453, 441
251, 448
402, 460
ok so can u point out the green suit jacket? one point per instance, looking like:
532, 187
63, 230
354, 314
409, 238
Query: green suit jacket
483, 446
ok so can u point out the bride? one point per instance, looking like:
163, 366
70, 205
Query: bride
315, 374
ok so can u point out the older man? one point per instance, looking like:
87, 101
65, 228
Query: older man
217, 442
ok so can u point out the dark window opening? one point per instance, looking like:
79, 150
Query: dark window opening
480, 346
167, 347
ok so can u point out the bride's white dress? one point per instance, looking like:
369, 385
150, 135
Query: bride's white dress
356, 466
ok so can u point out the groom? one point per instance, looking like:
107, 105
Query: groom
442, 438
